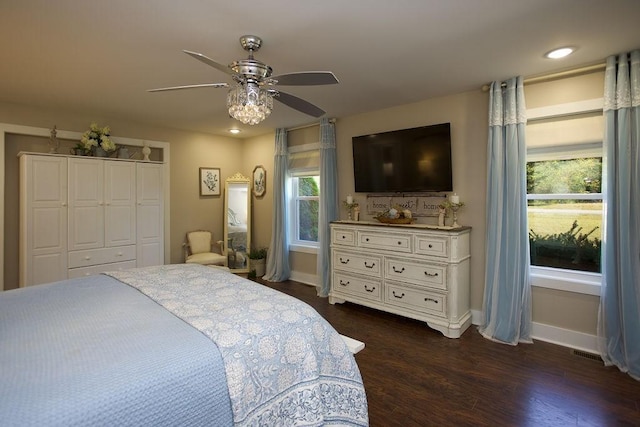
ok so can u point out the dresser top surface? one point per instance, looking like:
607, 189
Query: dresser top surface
410, 226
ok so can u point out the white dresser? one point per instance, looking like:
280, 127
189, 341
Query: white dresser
417, 271
83, 215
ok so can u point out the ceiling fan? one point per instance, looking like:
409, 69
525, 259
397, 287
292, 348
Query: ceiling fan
250, 97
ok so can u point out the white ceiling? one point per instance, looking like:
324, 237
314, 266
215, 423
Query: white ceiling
102, 55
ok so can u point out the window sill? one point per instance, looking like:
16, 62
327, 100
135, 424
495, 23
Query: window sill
566, 280
308, 249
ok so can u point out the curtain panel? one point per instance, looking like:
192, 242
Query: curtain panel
328, 203
619, 319
277, 267
507, 292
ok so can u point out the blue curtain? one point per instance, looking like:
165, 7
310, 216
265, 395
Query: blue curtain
619, 320
507, 289
328, 202
277, 268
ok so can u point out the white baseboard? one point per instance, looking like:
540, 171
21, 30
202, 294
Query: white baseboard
306, 278
554, 335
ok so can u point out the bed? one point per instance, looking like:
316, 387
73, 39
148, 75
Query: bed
171, 345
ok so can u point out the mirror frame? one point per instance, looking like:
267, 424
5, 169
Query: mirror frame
235, 180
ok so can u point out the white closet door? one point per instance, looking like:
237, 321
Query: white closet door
150, 215
120, 203
86, 203
43, 224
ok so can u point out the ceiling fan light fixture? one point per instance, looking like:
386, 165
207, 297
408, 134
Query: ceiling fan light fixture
249, 103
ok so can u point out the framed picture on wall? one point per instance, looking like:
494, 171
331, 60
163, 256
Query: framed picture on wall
209, 181
259, 181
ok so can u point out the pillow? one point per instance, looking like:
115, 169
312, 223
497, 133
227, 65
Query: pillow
232, 218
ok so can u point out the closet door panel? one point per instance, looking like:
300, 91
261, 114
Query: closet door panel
120, 203
86, 204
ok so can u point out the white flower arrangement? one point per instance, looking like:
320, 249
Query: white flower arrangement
97, 136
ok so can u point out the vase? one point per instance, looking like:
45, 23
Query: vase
99, 152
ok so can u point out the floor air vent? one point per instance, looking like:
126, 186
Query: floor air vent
587, 355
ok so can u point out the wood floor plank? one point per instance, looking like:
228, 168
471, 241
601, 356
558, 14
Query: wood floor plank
414, 376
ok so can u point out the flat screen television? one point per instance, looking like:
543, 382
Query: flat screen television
403, 161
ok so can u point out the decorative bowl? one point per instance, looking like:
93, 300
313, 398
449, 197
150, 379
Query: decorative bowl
387, 220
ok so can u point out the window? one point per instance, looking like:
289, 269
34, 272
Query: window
304, 197
565, 213
306, 202
564, 198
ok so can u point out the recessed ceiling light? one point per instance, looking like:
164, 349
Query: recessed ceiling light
559, 53
234, 130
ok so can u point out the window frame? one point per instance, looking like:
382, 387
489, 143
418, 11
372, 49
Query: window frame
581, 282
295, 244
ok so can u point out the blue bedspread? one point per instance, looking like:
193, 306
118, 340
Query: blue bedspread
96, 352
285, 364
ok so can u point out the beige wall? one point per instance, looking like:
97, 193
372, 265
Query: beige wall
189, 151
467, 112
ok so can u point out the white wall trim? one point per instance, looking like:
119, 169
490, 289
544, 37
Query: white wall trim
554, 335
306, 278
7, 128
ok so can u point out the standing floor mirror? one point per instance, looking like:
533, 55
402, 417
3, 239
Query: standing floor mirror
237, 226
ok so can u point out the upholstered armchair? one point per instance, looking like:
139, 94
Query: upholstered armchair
198, 249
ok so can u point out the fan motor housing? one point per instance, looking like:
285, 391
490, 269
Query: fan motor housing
250, 68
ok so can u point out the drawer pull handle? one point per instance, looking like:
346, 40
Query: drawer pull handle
399, 243
342, 261
344, 283
397, 296
426, 273
430, 245
369, 290
367, 239
119, 254
344, 237
87, 258
369, 266
397, 271
435, 301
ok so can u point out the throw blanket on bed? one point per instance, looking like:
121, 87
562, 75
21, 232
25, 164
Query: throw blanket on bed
285, 364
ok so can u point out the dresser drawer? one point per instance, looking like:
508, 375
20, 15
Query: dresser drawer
417, 300
386, 242
97, 269
356, 286
343, 236
358, 263
416, 272
101, 256
432, 245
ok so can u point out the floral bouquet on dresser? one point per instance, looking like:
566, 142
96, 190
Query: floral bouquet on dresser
97, 141
395, 215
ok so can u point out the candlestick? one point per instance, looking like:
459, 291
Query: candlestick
349, 200
455, 199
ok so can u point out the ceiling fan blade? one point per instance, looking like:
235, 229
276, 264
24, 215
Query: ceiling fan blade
306, 78
209, 61
298, 104
162, 89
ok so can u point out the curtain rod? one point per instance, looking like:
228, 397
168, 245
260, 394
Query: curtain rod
308, 126
558, 75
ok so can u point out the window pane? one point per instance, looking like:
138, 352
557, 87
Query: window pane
564, 176
308, 225
309, 186
566, 233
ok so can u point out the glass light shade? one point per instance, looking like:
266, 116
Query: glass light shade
249, 103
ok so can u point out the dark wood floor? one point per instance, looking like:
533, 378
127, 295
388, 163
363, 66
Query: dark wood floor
414, 376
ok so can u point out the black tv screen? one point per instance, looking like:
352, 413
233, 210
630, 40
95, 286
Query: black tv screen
402, 161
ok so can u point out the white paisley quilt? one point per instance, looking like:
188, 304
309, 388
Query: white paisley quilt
285, 365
